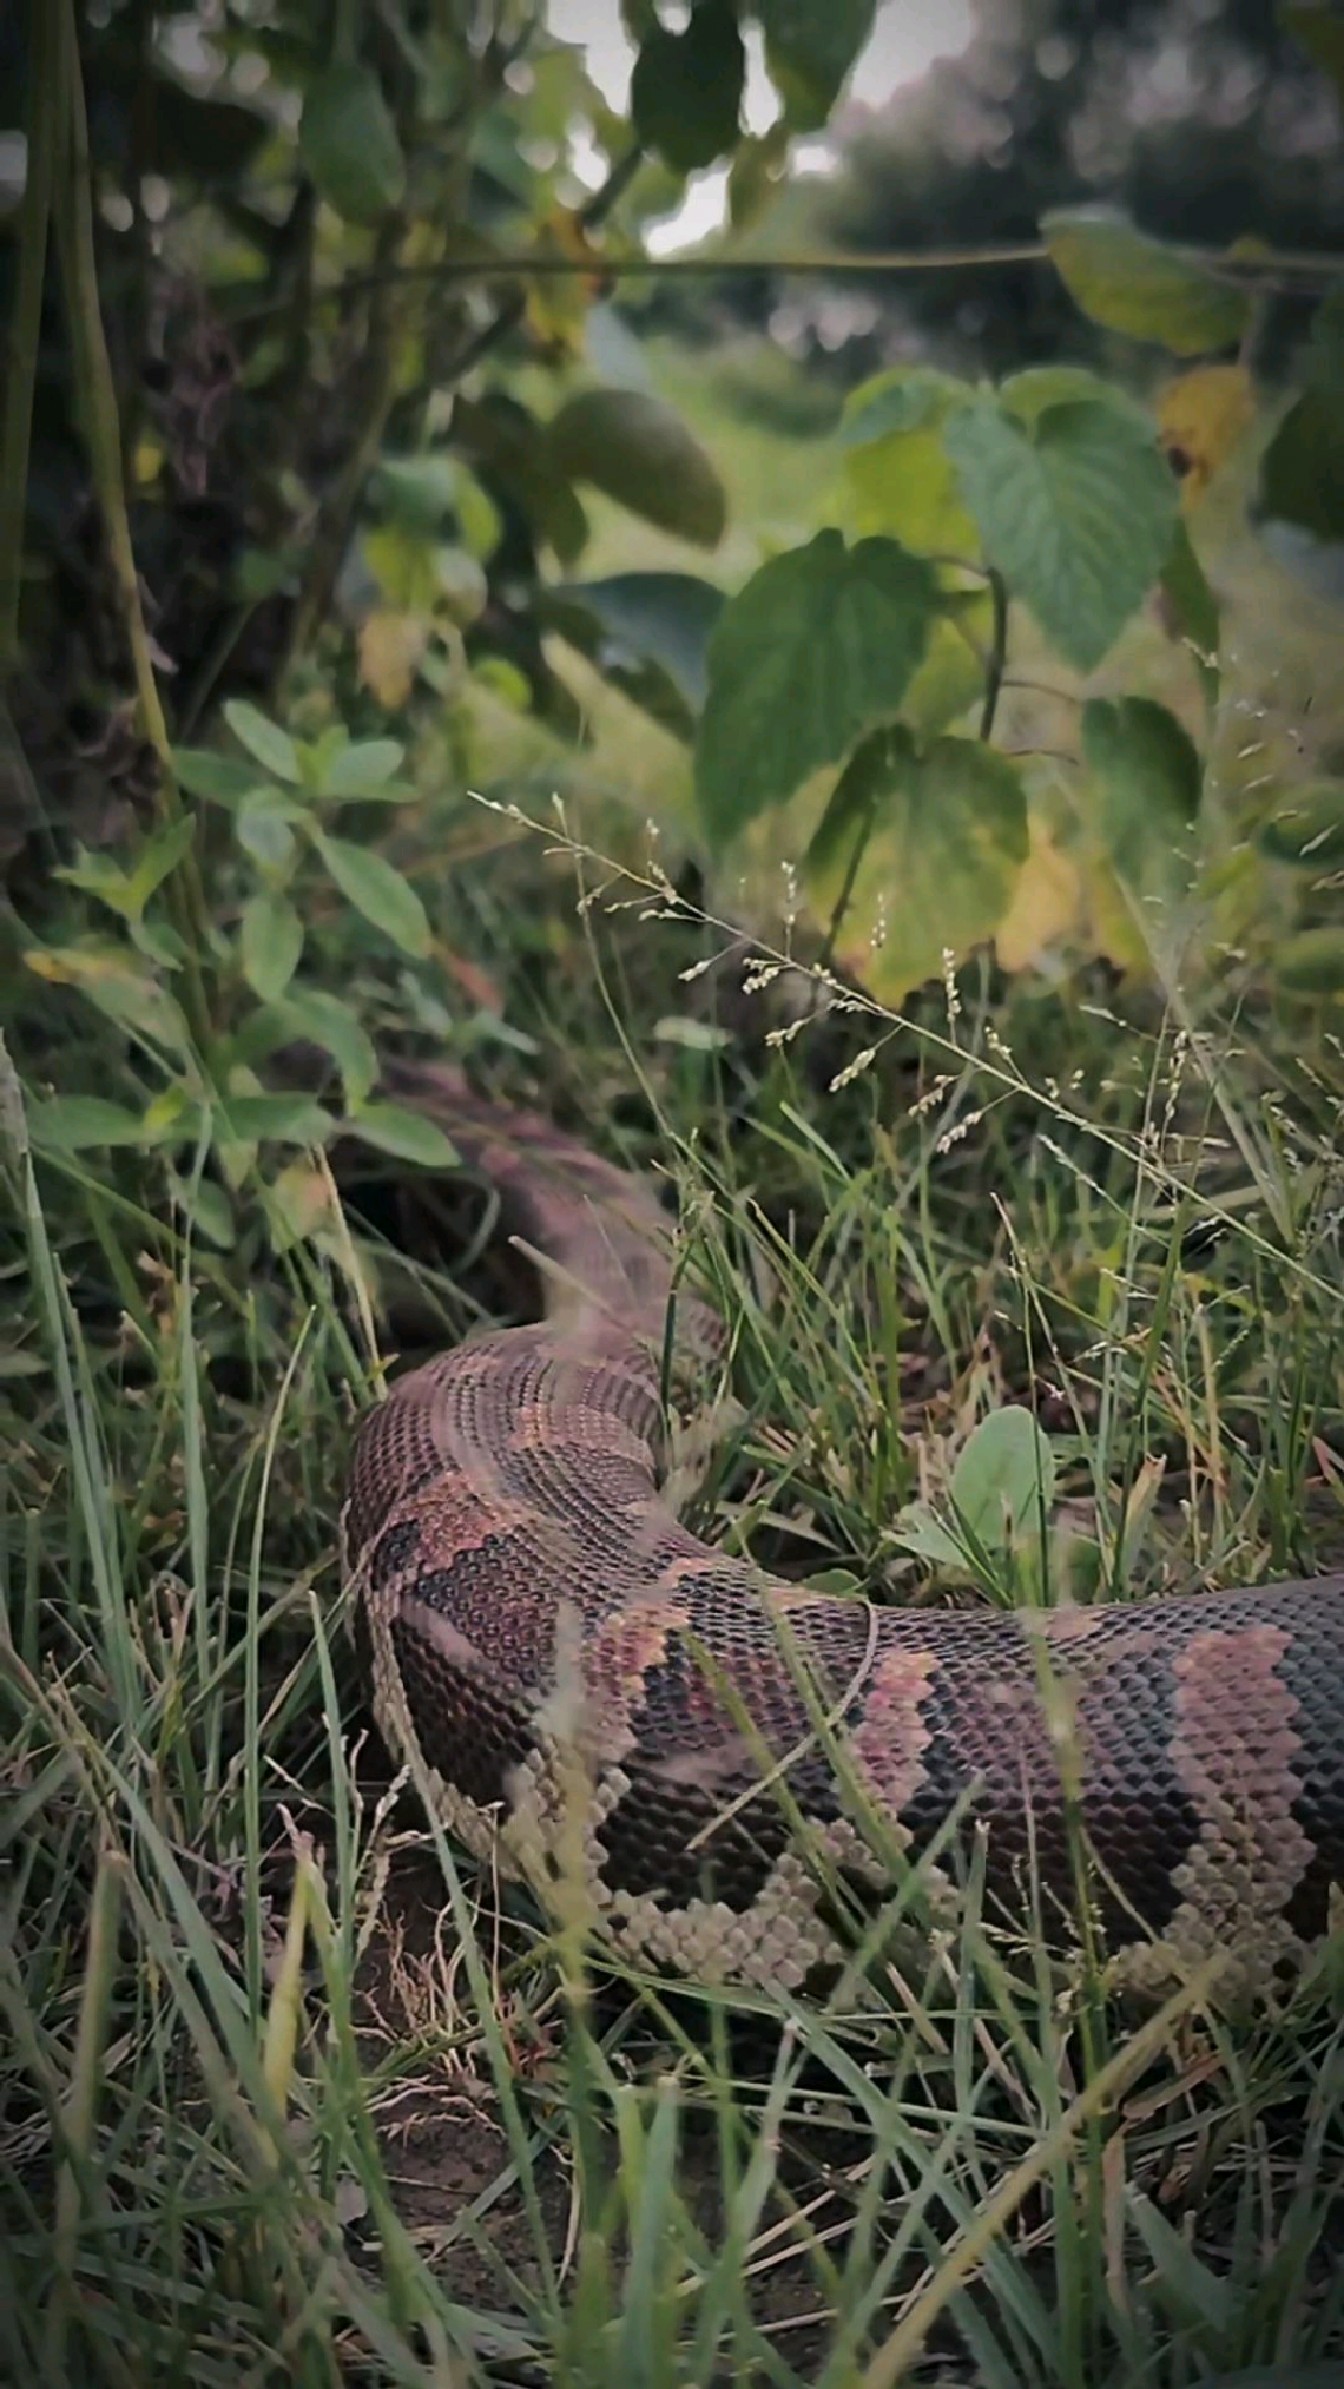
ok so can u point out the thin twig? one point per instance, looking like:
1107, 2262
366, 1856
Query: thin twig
1304, 271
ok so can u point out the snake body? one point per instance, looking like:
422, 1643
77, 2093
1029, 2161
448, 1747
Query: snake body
578, 1683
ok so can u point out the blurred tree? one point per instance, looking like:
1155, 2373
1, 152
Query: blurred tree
1205, 120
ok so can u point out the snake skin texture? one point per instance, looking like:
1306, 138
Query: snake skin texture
587, 1693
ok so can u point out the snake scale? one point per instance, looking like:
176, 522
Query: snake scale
531, 1618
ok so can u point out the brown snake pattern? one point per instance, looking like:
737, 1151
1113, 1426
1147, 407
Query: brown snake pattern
554, 1655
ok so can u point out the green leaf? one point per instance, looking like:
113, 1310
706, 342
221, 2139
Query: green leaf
1302, 470
1079, 515
899, 475
123, 992
901, 398
378, 891
1194, 613
349, 143
223, 779
499, 434
419, 490
1148, 779
361, 767
326, 1021
270, 943
648, 633
272, 747
1005, 1470
637, 450
686, 88
946, 839
816, 649
411, 1136
810, 46
75, 1123
288, 1119
1306, 827
1312, 962
1130, 283
208, 1208
1027, 394
262, 828
156, 860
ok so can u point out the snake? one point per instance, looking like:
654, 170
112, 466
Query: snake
730, 1775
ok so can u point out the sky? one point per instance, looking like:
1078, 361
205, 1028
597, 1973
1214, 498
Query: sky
907, 36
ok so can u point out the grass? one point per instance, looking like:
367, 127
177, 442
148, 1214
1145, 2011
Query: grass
284, 2098
286, 2094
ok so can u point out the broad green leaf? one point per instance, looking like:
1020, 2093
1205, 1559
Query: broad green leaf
1302, 470
1027, 394
1306, 827
364, 765
326, 1021
270, 944
461, 583
686, 88
647, 632
209, 1210
1130, 283
952, 675
498, 433
378, 891
946, 842
419, 490
900, 398
817, 648
288, 1119
98, 875
900, 478
76, 1123
1078, 514
349, 143
121, 990
810, 46
157, 859
637, 450
128, 892
1005, 1470
272, 747
918, 1528
262, 827
1193, 612
402, 563
224, 779
1312, 962
1148, 777
411, 1136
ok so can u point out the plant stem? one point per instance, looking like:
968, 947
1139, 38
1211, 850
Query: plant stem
998, 654
98, 399
26, 322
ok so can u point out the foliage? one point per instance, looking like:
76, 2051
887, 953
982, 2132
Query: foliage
318, 392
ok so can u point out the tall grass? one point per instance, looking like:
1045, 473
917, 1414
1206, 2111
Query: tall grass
244, 1982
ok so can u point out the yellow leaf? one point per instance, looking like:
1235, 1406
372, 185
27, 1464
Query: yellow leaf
390, 649
1045, 903
1201, 417
558, 303
302, 1199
